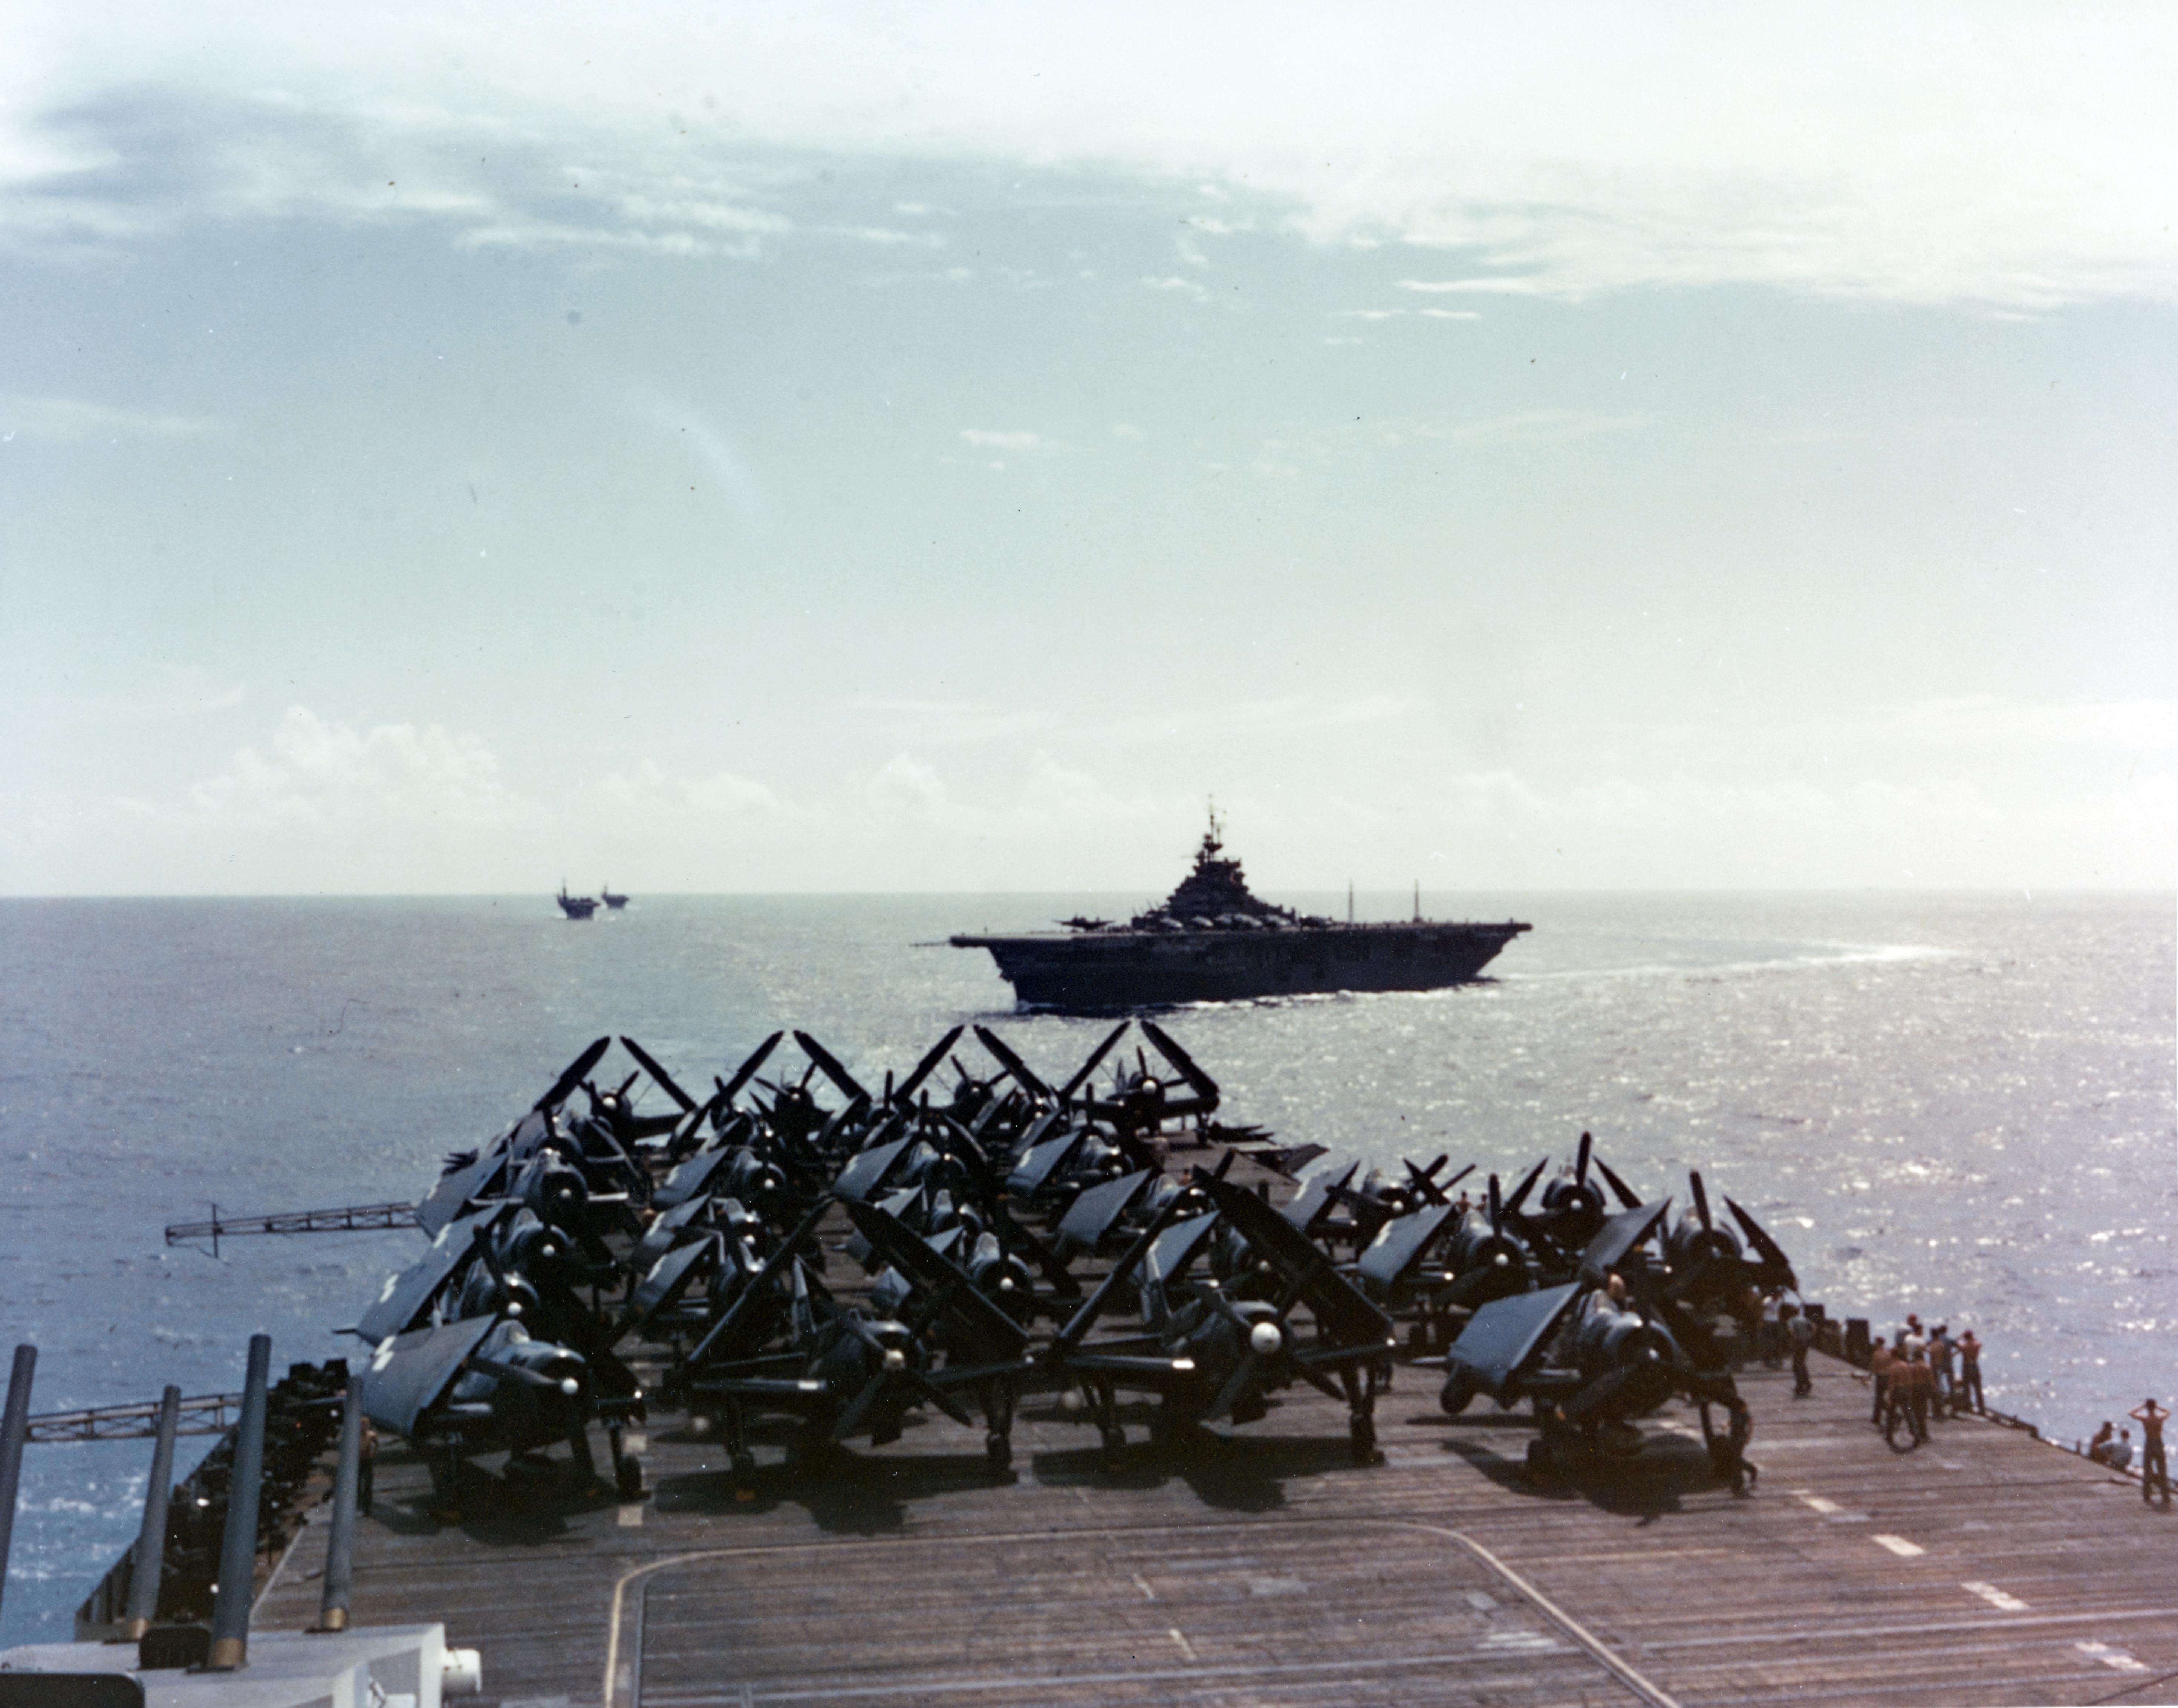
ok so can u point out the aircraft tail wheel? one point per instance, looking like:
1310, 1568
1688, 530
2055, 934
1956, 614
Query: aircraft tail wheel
1456, 1393
999, 1450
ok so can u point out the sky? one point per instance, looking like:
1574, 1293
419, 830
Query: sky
454, 448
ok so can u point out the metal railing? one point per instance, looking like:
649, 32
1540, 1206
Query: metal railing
208, 1414
340, 1219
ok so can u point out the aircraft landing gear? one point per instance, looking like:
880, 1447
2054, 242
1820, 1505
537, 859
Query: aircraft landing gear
998, 1415
445, 1463
1105, 1408
1728, 1447
582, 1463
739, 1461
1361, 1414
627, 1469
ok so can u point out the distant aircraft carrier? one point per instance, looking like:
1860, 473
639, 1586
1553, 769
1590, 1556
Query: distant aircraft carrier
1211, 941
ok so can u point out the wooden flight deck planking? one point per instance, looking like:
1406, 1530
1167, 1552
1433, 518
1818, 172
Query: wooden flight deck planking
1260, 1565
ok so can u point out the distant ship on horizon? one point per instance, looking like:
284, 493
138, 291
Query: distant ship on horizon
1211, 940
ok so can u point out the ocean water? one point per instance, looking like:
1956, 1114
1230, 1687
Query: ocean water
1956, 1104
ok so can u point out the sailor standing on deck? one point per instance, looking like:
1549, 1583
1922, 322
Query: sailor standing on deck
2153, 1467
1879, 1361
1970, 1369
1800, 1333
1940, 1364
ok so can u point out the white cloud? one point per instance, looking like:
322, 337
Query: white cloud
986, 439
322, 773
1495, 288
1186, 287
2008, 156
649, 790
905, 784
71, 419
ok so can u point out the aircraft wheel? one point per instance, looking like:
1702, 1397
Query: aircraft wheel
627, 1477
744, 1466
999, 1450
1456, 1393
1538, 1458
1363, 1431
1116, 1444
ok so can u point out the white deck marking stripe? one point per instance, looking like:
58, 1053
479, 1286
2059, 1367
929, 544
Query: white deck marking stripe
1995, 1598
2115, 1659
1898, 1545
1172, 1631
1817, 1504
1148, 1593
631, 1515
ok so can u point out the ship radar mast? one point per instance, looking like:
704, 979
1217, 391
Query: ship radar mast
1213, 839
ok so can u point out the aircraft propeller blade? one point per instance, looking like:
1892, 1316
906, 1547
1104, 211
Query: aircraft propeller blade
1096, 1056
1236, 1385
1701, 1197
851, 1420
576, 1070
927, 1066
686, 1128
1772, 1252
1627, 1195
747, 1071
1527, 1185
1024, 1076
1600, 1392
665, 1080
1202, 1083
830, 1063
1423, 1182
1496, 1207
936, 1395
1581, 1167
1015, 1239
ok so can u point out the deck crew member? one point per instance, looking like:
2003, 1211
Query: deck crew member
2153, 1467
1799, 1330
1880, 1362
1970, 1369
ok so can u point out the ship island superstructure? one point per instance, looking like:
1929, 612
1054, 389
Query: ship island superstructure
1213, 939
